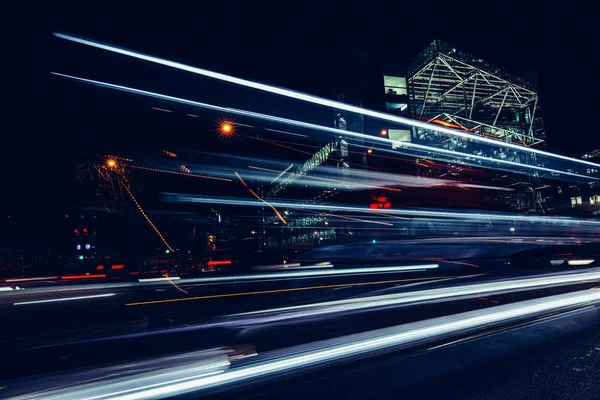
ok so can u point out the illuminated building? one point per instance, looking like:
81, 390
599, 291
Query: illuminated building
447, 85
455, 89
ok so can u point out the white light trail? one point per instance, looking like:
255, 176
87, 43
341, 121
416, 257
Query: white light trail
238, 124
174, 197
286, 132
580, 262
282, 173
162, 109
316, 127
64, 299
314, 99
170, 278
339, 349
6, 289
310, 272
43, 278
441, 294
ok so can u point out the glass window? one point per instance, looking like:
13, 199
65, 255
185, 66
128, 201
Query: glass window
395, 85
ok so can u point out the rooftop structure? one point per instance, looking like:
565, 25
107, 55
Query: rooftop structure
457, 89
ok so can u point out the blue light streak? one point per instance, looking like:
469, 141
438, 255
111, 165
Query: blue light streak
313, 99
307, 125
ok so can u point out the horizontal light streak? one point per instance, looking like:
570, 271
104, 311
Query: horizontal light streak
218, 296
170, 278
343, 348
65, 299
477, 216
313, 126
286, 132
219, 262
161, 109
42, 278
330, 272
6, 289
315, 99
92, 276
445, 294
580, 262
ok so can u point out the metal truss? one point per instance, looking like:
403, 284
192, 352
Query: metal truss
454, 86
495, 132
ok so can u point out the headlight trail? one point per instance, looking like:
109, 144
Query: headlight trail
476, 216
340, 349
23, 303
308, 274
306, 125
417, 297
315, 99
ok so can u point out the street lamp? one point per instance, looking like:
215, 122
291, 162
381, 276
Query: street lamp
383, 132
111, 163
226, 128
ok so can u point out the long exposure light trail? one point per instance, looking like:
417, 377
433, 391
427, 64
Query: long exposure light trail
41, 278
64, 299
350, 218
340, 349
176, 197
318, 127
314, 274
313, 99
297, 289
261, 199
141, 210
337, 181
428, 295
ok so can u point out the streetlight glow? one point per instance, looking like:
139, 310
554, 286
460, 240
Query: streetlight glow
111, 163
226, 128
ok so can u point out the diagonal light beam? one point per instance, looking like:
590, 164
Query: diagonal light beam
312, 99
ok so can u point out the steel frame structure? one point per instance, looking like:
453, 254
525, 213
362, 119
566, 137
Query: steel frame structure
448, 85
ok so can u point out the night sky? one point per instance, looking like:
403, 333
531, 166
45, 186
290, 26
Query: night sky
301, 45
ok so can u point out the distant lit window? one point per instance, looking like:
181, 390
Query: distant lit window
575, 201
395, 85
559, 189
398, 136
595, 199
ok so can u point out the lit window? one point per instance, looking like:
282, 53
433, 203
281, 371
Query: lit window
394, 85
559, 189
575, 201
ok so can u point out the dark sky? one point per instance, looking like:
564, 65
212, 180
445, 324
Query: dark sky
305, 46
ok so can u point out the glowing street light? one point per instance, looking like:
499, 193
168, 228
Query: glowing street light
111, 163
370, 151
226, 128
383, 132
